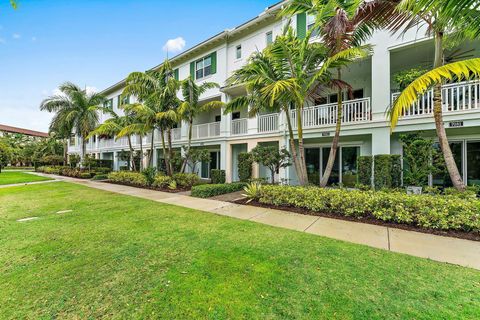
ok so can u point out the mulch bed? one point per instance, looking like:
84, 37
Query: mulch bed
367, 220
147, 188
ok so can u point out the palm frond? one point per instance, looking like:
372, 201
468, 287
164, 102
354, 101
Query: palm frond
466, 69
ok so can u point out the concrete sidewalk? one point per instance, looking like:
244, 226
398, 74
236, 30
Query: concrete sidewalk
444, 249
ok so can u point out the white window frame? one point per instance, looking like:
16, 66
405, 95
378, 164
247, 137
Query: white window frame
238, 52
269, 34
200, 65
310, 24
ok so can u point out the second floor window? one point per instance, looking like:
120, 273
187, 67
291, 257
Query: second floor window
123, 100
238, 52
269, 37
311, 25
203, 67
108, 104
72, 141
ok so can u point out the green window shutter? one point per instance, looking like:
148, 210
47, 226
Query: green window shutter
175, 74
119, 100
214, 62
301, 25
192, 70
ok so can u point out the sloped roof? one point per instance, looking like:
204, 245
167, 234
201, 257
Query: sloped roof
27, 132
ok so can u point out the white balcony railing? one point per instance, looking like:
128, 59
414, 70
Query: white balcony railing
112, 143
268, 122
176, 134
239, 126
207, 130
354, 111
461, 96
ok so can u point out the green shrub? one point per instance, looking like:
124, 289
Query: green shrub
245, 162
428, 211
364, 165
162, 182
186, 180
84, 175
102, 170
218, 176
99, 177
396, 170
129, 178
253, 191
149, 173
382, 168
211, 190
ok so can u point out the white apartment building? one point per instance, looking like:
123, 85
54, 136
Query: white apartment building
365, 129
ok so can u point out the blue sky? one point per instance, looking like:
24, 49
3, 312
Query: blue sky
95, 43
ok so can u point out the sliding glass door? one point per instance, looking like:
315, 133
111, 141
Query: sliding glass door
473, 163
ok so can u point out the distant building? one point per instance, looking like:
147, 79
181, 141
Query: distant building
31, 133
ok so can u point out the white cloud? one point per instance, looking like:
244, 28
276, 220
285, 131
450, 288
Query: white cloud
16, 36
174, 45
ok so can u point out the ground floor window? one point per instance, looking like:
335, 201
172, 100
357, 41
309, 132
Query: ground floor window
344, 169
467, 157
213, 164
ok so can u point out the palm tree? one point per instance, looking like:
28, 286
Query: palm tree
291, 72
156, 91
113, 126
341, 24
74, 109
190, 108
444, 19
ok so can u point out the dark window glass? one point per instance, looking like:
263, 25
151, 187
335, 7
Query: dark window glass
235, 115
473, 163
269, 37
349, 165
312, 158
358, 94
443, 179
218, 118
334, 176
333, 98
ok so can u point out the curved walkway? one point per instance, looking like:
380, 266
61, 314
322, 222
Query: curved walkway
444, 249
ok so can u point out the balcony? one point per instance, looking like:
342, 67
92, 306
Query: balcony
354, 111
239, 127
206, 130
112, 143
268, 123
456, 97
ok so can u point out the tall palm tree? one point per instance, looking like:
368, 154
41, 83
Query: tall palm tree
156, 91
341, 24
291, 72
444, 20
191, 108
74, 109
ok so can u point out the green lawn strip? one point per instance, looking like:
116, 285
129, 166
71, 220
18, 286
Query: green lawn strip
117, 256
12, 177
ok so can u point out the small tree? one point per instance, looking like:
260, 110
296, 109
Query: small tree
245, 162
195, 156
420, 159
5, 155
272, 158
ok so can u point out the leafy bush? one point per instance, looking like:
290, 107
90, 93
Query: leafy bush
186, 180
272, 158
396, 170
211, 190
129, 178
162, 182
149, 173
218, 176
53, 160
382, 167
405, 77
99, 177
84, 175
253, 191
428, 211
102, 170
245, 162
364, 164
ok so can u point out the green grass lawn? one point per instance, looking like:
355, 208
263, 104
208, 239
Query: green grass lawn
117, 256
12, 177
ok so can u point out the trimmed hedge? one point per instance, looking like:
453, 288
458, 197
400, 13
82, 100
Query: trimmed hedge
218, 176
81, 173
128, 178
211, 190
245, 169
382, 168
364, 164
426, 211
396, 170
186, 180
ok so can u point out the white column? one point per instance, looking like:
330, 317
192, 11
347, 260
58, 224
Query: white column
380, 141
252, 124
155, 156
226, 122
380, 74
223, 155
115, 161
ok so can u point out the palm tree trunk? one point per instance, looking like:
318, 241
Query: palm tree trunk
141, 153
438, 116
132, 160
169, 140
292, 143
164, 149
336, 138
302, 176
189, 144
150, 161
83, 152
65, 152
